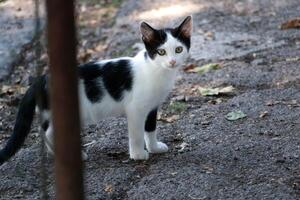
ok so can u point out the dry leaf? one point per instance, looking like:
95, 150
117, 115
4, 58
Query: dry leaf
189, 67
235, 115
292, 23
263, 114
90, 143
108, 188
11, 89
182, 146
173, 173
292, 103
272, 103
204, 68
171, 118
176, 107
292, 59
215, 91
226, 90
209, 35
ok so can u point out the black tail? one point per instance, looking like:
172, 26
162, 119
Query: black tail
22, 126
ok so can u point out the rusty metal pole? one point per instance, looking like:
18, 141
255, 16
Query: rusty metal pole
64, 99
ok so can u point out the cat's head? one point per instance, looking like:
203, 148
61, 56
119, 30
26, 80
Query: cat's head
168, 48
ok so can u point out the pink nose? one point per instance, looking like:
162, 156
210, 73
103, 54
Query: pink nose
172, 62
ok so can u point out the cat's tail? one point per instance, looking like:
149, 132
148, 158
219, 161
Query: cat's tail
23, 123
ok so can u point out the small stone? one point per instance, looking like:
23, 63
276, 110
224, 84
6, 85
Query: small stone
178, 98
261, 133
259, 61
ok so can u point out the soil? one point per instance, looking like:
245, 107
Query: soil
210, 157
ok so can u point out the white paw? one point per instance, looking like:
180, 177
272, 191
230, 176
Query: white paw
141, 155
159, 147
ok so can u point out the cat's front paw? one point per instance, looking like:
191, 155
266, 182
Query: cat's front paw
159, 147
140, 155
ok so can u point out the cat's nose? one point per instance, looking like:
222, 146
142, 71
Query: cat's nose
172, 62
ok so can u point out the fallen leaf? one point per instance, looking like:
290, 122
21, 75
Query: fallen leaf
90, 143
108, 188
176, 107
204, 68
292, 59
173, 173
171, 118
226, 90
263, 114
6, 89
189, 67
292, 103
235, 115
292, 23
208, 91
11, 89
182, 147
215, 91
209, 35
272, 103
208, 169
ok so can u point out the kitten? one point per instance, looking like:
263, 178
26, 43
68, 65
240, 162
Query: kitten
129, 86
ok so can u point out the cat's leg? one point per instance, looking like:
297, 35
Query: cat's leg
152, 144
136, 122
49, 142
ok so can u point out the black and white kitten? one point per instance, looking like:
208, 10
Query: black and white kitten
129, 86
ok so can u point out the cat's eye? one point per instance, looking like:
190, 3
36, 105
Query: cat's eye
161, 52
178, 49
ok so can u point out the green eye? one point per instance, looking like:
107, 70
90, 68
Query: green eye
178, 49
161, 52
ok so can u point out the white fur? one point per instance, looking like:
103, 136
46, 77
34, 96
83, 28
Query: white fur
153, 80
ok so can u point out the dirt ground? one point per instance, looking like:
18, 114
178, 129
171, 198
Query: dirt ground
210, 157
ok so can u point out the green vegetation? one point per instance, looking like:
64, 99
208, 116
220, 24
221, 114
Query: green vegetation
176, 107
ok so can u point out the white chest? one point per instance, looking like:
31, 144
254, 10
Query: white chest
152, 89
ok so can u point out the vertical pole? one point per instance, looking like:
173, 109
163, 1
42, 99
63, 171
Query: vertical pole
64, 99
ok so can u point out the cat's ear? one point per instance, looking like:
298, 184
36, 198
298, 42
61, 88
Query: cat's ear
147, 31
186, 27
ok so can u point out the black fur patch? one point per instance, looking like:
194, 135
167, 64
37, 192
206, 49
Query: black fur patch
150, 124
90, 73
114, 76
117, 77
159, 38
185, 40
